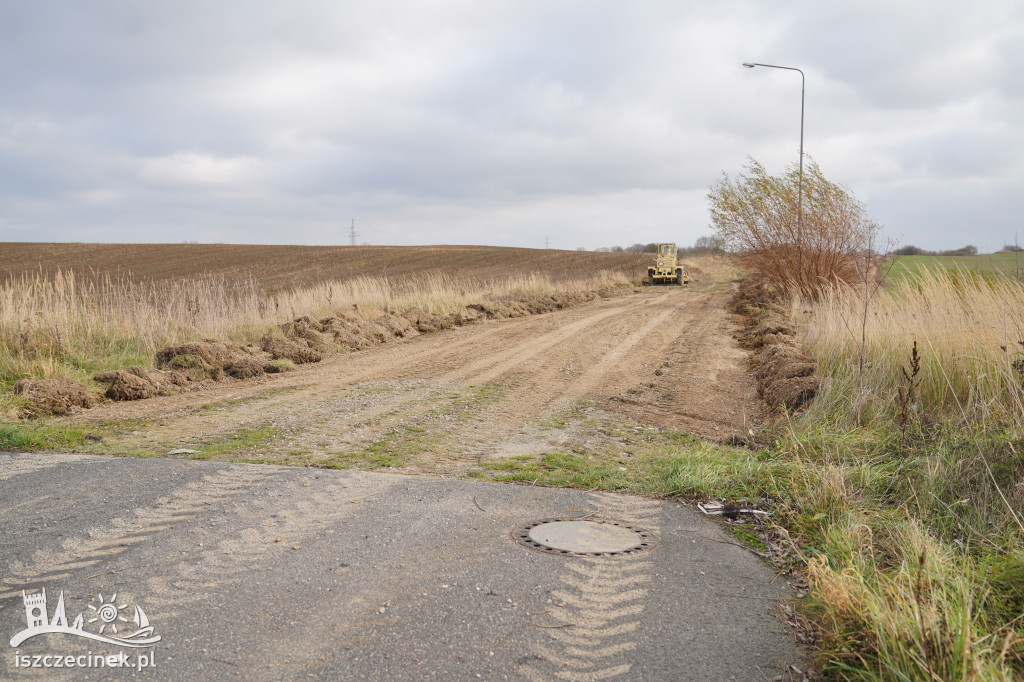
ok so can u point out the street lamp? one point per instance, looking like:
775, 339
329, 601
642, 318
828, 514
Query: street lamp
803, 82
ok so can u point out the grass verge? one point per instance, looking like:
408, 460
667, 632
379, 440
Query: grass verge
27, 438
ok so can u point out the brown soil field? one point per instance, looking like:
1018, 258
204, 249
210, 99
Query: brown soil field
281, 267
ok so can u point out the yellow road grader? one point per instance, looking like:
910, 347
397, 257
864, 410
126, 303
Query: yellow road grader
666, 268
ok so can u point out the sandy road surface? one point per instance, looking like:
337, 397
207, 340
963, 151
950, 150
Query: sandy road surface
663, 358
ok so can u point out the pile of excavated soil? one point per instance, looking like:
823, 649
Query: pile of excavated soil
136, 383
785, 375
54, 396
309, 340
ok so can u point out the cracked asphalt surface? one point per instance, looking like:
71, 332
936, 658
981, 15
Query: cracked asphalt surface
265, 572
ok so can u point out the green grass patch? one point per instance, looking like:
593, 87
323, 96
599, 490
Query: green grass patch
393, 449
915, 553
669, 464
282, 365
241, 441
28, 438
985, 266
367, 459
95, 438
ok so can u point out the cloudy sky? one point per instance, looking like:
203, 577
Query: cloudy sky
509, 122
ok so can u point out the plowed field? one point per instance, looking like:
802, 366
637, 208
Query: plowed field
278, 267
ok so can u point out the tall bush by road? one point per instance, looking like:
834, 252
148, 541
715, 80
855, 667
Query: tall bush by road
798, 246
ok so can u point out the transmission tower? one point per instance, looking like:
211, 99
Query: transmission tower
352, 234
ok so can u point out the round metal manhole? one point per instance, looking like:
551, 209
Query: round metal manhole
590, 537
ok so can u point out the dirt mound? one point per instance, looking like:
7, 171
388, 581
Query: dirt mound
367, 332
213, 353
54, 396
751, 296
785, 374
792, 393
463, 317
425, 322
138, 383
397, 325
181, 366
315, 339
500, 310
126, 385
311, 331
290, 349
247, 368
194, 368
781, 361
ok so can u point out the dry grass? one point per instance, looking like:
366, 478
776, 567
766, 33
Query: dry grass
917, 569
969, 330
63, 326
709, 267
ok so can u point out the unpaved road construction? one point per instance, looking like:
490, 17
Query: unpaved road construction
256, 571
441, 403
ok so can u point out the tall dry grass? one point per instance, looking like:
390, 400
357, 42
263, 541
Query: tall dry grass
918, 562
67, 325
710, 267
970, 335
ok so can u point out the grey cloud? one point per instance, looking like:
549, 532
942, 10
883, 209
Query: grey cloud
462, 122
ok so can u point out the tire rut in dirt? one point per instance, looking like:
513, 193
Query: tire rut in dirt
617, 352
704, 387
525, 345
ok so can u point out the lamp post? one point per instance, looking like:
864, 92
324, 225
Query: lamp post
803, 82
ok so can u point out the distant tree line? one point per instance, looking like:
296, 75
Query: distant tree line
910, 250
704, 245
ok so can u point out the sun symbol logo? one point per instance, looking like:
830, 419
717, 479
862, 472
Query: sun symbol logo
108, 613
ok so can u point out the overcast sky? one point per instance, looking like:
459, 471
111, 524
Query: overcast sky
508, 122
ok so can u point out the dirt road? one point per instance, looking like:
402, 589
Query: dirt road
663, 358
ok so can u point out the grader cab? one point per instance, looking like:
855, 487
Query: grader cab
666, 268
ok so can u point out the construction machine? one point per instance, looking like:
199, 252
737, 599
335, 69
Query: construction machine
666, 268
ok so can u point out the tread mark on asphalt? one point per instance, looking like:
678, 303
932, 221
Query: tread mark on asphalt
600, 610
103, 544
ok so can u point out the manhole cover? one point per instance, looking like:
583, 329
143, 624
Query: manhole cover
591, 537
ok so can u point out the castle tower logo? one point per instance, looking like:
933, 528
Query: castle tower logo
107, 618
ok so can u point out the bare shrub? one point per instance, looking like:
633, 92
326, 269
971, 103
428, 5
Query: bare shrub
799, 247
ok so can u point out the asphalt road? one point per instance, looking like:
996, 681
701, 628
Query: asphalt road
263, 572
